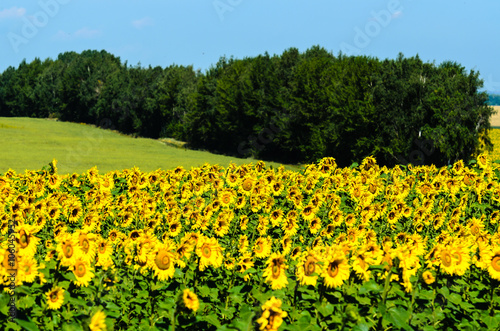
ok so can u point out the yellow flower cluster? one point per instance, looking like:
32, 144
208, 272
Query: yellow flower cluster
272, 315
494, 135
324, 224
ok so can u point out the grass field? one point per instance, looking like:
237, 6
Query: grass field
30, 143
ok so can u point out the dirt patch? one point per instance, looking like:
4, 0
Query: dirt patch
495, 118
172, 142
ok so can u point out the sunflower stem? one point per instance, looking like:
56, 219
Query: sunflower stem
386, 286
493, 286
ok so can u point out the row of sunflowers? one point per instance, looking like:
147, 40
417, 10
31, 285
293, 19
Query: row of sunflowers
252, 247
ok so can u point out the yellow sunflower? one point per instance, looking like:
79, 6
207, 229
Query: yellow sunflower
68, 250
428, 277
314, 225
55, 297
336, 269
247, 185
190, 300
86, 243
494, 263
275, 271
98, 321
114, 235
83, 272
262, 247
162, 261
183, 252
226, 198
272, 315
290, 226
308, 268
26, 241
286, 244
241, 202
222, 223
74, 211
262, 225
175, 228
243, 243
210, 253
308, 213
28, 269
295, 253
104, 252
245, 262
446, 260
276, 217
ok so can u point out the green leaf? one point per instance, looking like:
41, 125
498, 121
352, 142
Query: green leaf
492, 322
444, 291
244, 320
363, 300
211, 319
72, 327
28, 325
77, 301
361, 327
337, 294
466, 306
236, 298
227, 313
370, 286
26, 302
455, 298
325, 309
13, 325
236, 289
204, 290
399, 317
167, 303
67, 314
426, 294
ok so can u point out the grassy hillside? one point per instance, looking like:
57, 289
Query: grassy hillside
30, 143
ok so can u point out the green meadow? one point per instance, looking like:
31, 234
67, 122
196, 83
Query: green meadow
31, 143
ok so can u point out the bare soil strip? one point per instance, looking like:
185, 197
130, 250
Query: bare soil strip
495, 118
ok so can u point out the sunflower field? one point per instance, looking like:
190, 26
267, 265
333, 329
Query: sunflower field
251, 247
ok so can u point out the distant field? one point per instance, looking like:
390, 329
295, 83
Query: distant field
495, 119
30, 143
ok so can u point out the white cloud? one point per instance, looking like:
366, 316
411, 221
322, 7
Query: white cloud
12, 12
84, 33
397, 14
146, 21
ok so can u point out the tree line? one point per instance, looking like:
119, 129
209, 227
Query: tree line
494, 99
295, 107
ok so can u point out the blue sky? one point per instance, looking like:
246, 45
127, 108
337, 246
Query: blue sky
198, 33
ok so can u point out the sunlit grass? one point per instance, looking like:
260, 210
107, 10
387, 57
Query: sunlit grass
30, 143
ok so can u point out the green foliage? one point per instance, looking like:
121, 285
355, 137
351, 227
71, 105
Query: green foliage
494, 99
290, 108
